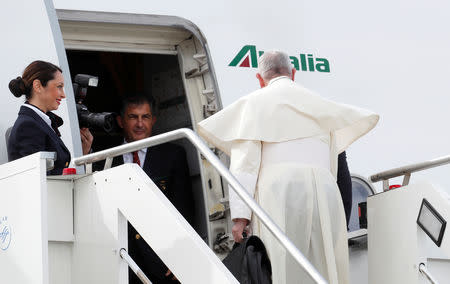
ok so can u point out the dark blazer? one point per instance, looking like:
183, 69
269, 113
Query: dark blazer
31, 134
344, 181
166, 165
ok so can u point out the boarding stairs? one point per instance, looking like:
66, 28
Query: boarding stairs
73, 228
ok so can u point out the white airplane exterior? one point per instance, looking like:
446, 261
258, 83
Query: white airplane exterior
389, 57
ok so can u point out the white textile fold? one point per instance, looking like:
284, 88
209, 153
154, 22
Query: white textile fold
245, 162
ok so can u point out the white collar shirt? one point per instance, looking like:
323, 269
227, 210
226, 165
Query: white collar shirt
128, 157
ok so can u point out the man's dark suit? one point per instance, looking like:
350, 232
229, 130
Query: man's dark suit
167, 166
31, 134
344, 181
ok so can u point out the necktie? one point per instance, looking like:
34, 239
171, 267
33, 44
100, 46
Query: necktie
136, 158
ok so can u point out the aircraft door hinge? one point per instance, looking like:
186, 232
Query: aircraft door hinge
223, 243
210, 107
196, 72
209, 94
200, 58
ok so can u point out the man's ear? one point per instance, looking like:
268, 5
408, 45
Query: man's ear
119, 121
261, 80
153, 120
293, 73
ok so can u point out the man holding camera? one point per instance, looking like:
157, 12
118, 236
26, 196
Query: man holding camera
167, 166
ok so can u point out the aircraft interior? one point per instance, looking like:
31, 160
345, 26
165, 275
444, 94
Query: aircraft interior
127, 74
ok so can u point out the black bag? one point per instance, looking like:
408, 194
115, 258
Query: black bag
249, 262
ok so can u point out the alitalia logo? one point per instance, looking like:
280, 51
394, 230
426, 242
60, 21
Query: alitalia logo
247, 57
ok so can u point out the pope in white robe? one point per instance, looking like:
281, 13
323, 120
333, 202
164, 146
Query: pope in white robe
283, 141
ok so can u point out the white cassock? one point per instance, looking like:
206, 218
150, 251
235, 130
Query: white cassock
283, 142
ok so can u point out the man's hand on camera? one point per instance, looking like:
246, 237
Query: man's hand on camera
86, 140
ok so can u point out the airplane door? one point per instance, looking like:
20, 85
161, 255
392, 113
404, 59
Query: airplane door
30, 31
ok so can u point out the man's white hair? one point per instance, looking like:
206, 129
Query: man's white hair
273, 64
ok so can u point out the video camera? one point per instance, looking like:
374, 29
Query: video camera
104, 121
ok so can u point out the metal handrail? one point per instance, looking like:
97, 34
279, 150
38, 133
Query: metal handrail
423, 269
396, 172
409, 169
136, 269
223, 171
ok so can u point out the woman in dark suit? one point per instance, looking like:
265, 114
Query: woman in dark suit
36, 128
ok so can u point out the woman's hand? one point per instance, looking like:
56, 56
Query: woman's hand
86, 140
238, 228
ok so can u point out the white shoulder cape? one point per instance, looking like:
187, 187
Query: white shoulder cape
284, 111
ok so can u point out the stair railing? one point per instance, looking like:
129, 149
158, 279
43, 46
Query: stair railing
109, 154
136, 269
407, 170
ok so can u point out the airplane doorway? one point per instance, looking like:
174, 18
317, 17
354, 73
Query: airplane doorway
167, 58
123, 74
127, 74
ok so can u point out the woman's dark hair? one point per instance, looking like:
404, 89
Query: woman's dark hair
37, 70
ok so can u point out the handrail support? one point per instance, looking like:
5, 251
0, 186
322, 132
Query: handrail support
406, 179
108, 163
385, 184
